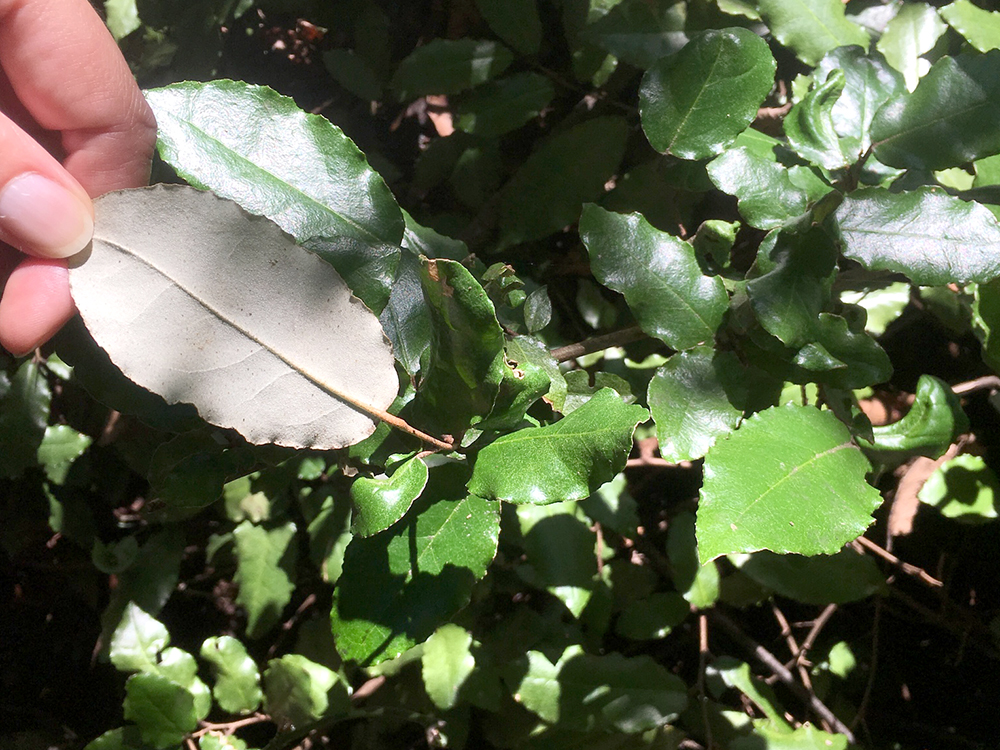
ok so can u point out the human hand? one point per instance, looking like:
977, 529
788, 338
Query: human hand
73, 124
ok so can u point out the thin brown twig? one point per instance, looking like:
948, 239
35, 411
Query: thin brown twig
633, 463
368, 688
703, 654
818, 624
228, 727
772, 663
867, 545
598, 343
793, 646
985, 383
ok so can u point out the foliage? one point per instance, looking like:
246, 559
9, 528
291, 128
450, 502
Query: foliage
629, 227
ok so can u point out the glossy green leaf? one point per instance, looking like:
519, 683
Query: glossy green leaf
328, 512
582, 385
121, 17
613, 507
24, 412
658, 274
927, 235
567, 460
448, 66
264, 561
138, 641
780, 737
163, 709
789, 480
405, 318
180, 667
965, 489
979, 26
737, 674
809, 124
912, 32
689, 398
795, 274
639, 32
931, 425
504, 105
60, 447
297, 691
694, 103
368, 269
652, 618
986, 318
380, 502
225, 742
531, 350
547, 192
446, 664
940, 124
466, 361
123, 738
256, 147
398, 587
354, 73
843, 355
237, 681
811, 28
522, 385
514, 21
823, 579
697, 583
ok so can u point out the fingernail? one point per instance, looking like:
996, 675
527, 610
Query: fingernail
44, 218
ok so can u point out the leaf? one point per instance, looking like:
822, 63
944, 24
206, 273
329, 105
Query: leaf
690, 404
514, 21
697, 583
658, 274
138, 641
844, 577
809, 124
262, 573
163, 709
448, 66
639, 32
547, 192
530, 350
811, 28
24, 412
368, 269
183, 315
60, 447
446, 664
298, 691
256, 147
405, 318
399, 586
237, 681
652, 618
465, 366
329, 516
694, 104
354, 73
843, 355
379, 503
932, 238
789, 480
930, 426
768, 193
940, 124
180, 667
567, 460
500, 106
912, 32
965, 489
613, 507
980, 27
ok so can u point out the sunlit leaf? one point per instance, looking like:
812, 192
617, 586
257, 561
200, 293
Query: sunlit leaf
380, 502
911, 33
299, 691
446, 664
979, 26
163, 709
965, 489
138, 641
811, 27
933, 422
237, 681
264, 559
447, 66
822, 579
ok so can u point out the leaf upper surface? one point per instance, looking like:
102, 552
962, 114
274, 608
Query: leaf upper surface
811, 27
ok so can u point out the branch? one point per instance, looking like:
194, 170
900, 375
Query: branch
598, 343
867, 545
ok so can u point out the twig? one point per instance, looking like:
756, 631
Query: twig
228, 727
598, 343
633, 463
702, 665
793, 646
368, 688
818, 624
985, 383
769, 660
867, 545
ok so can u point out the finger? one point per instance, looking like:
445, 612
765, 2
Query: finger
66, 70
36, 303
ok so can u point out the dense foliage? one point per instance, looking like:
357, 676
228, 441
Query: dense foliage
692, 302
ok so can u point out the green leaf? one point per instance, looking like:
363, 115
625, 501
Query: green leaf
965, 489
567, 460
405, 318
980, 27
522, 385
780, 737
986, 317
60, 447
789, 480
689, 398
379, 503
530, 350
940, 124
613, 507
448, 66
912, 32
123, 738
932, 238
768, 193
298, 691
264, 559
138, 641
514, 21
237, 681
398, 587
466, 359
224, 742
547, 192
823, 579
698, 583
694, 104
368, 269
652, 618
809, 124
580, 388
24, 412
179, 666
328, 511
446, 664
639, 32
121, 18
163, 709
843, 355
256, 147
354, 73
658, 274
500, 106
811, 28
930, 426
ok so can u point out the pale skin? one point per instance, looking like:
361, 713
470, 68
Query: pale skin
73, 125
